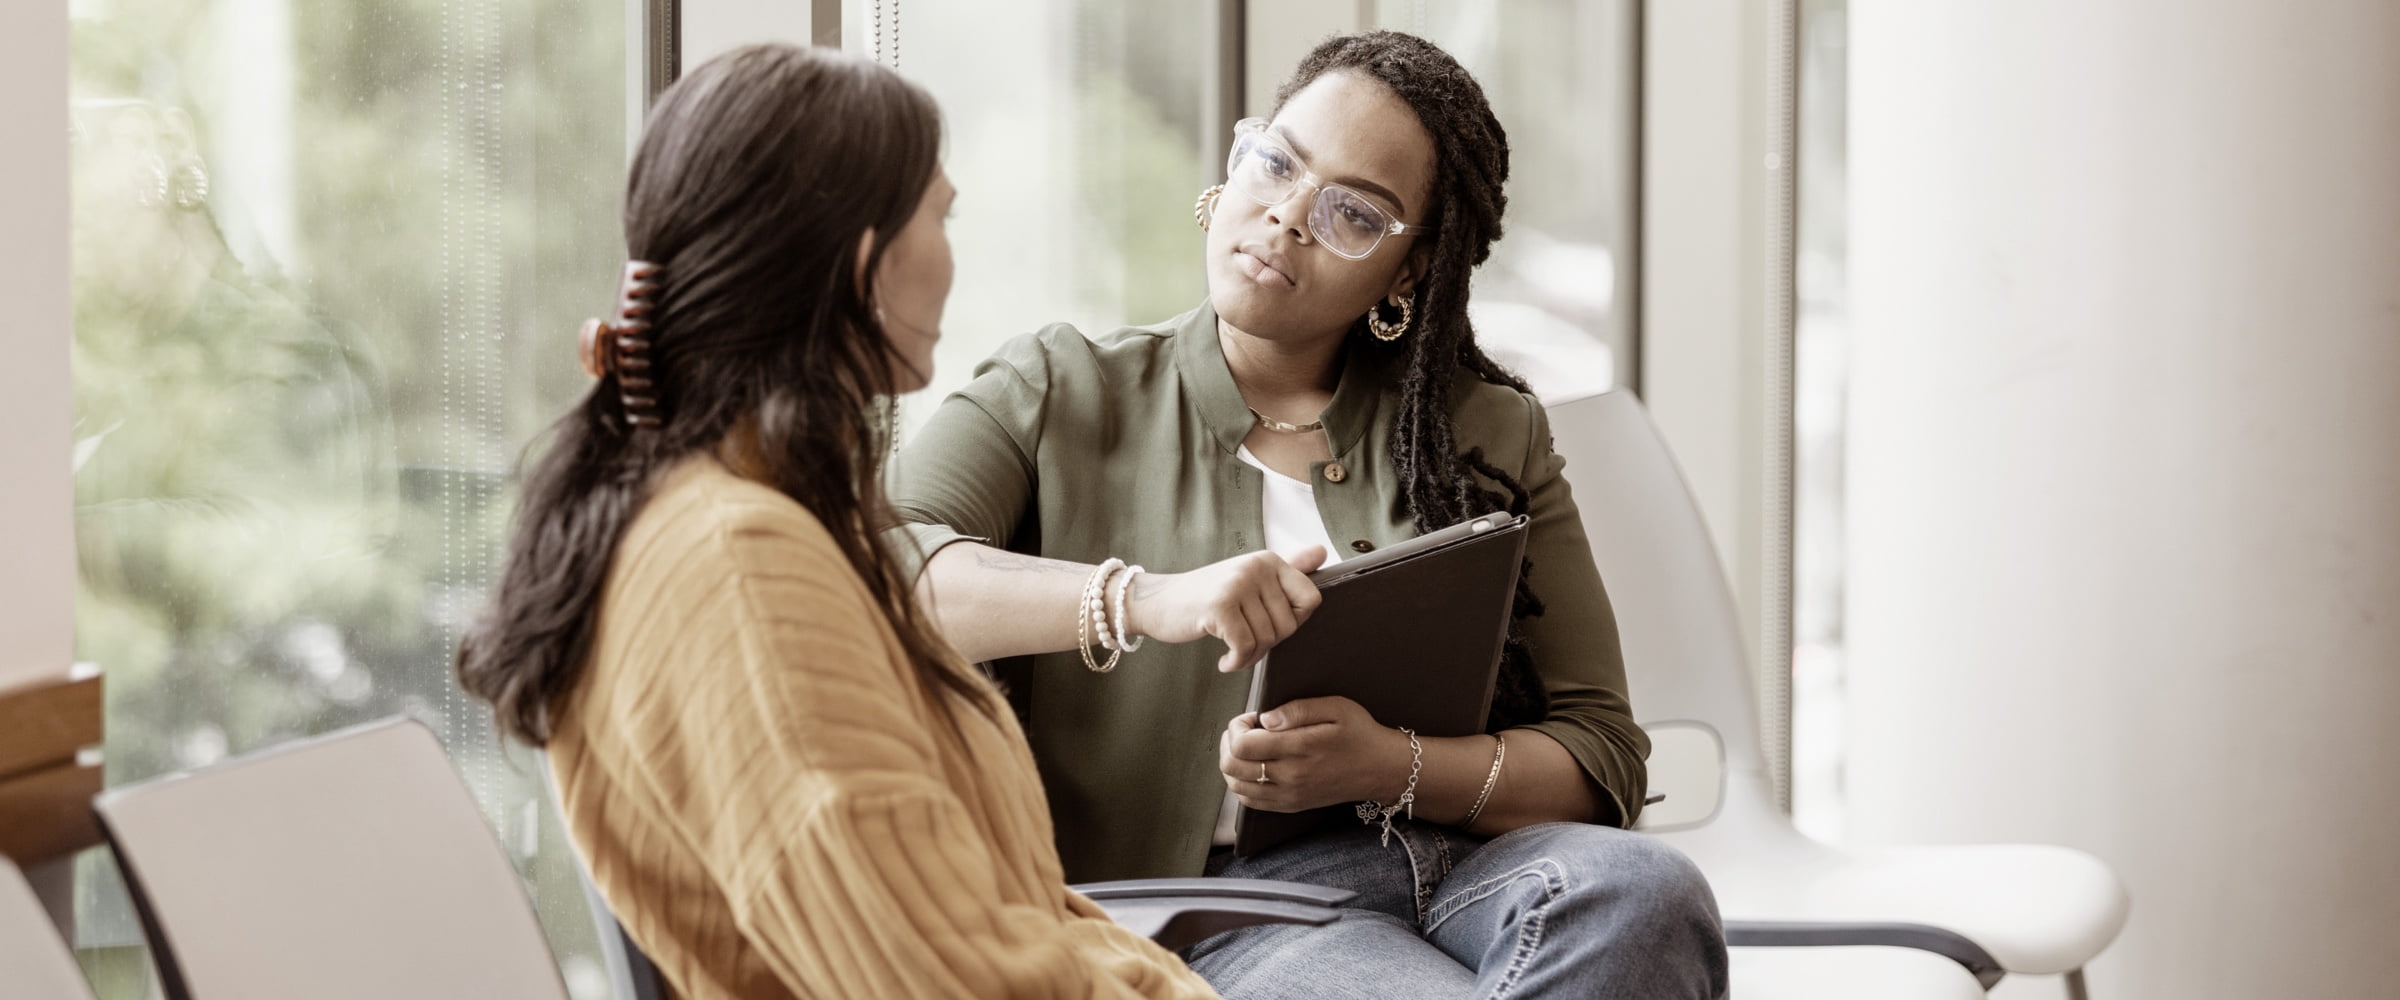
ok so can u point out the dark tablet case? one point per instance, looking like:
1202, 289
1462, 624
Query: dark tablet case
1413, 633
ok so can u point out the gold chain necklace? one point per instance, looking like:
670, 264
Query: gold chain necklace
1281, 427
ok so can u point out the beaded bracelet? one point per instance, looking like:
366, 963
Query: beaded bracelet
1499, 753
1125, 583
1097, 587
1091, 614
1369, 810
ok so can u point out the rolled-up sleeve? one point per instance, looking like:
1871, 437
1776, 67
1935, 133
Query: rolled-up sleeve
1574, 643
968, 474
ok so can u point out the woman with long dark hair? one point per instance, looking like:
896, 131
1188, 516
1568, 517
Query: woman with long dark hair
784, 782
1327, 399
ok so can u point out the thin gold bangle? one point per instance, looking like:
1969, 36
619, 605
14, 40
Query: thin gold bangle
1499, 753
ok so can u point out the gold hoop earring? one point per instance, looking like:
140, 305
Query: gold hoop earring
1388, 332
1205, 208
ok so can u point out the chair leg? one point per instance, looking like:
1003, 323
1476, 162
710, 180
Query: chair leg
2075, 989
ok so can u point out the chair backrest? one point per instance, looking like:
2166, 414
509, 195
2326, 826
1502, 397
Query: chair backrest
1685, 661
354, 865
631, 973
34, 961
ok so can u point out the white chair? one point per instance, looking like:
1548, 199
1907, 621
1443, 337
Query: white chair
351, 865
1797, 910
1861, 972
34, 961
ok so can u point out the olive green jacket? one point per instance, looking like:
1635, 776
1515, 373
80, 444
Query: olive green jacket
1081, 449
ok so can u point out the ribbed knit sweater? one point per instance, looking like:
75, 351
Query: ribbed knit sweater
773, 806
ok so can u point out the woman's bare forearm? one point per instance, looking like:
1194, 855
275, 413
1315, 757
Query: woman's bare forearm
1539, 783
992, 603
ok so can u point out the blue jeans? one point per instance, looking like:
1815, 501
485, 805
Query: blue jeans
1555, 910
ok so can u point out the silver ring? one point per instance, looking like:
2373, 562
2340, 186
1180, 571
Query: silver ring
1262, 774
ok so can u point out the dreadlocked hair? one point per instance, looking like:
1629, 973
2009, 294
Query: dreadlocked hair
1443, 486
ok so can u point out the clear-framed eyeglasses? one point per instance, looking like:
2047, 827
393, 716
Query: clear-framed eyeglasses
1266, 170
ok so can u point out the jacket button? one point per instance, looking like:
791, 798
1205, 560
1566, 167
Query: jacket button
1334, 472
1363, 545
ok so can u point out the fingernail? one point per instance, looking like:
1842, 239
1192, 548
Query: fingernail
1274, 720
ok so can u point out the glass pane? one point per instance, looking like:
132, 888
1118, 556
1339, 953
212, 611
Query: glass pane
1077, 163
1553, 302
1819, 410
328, 260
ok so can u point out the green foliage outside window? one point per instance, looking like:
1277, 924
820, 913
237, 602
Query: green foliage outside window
328, 260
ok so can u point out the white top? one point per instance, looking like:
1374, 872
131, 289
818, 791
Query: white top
1290, 507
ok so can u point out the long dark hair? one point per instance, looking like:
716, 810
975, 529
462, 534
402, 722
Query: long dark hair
1470, 170
754, 181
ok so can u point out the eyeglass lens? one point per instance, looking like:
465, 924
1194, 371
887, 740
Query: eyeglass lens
1267, 171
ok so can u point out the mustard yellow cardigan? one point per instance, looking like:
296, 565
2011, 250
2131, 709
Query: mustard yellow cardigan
771, 804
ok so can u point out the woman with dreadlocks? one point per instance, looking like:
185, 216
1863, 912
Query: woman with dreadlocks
1328, 398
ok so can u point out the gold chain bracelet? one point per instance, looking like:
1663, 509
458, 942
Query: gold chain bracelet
1490, 781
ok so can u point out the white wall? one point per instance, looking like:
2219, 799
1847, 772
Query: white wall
1708, 98
1704, 99
2125, 465
37, 570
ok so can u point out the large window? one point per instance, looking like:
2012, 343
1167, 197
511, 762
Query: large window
328, 260
1555, 301
329, 256
1078, 134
